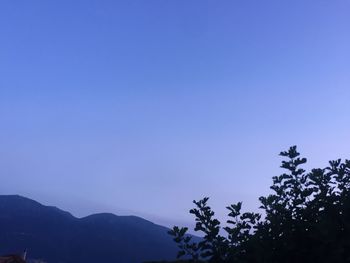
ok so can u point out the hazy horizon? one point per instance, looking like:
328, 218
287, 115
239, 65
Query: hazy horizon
139, 107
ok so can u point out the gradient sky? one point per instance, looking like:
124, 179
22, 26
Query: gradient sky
139, 107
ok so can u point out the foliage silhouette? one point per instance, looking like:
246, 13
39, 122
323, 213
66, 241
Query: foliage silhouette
306, 219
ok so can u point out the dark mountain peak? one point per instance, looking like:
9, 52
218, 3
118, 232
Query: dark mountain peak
18, 199
110, 217
19, 205
107, 220
102, 216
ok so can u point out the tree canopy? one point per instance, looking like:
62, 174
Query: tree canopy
306, 218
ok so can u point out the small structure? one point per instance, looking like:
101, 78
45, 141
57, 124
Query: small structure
14, 258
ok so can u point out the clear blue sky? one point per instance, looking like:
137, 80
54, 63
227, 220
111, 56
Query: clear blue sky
139, 107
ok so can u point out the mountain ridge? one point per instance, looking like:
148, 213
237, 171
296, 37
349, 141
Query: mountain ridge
56, 236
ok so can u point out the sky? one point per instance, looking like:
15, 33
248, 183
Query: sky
140, 107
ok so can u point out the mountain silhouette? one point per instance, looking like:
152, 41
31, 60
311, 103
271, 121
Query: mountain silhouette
56, 236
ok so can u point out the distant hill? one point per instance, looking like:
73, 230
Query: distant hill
56, 236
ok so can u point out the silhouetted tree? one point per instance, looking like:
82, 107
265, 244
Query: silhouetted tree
306, 219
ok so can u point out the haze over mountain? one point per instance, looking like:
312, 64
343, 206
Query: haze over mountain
54, 235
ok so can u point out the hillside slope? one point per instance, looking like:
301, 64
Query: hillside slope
58, 237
